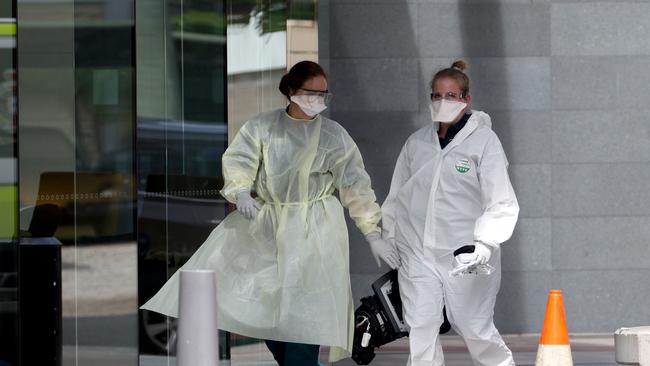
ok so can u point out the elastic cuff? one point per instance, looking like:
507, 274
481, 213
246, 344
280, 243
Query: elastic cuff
491, 246
368, 229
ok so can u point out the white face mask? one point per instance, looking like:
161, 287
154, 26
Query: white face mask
445, 111
310, 104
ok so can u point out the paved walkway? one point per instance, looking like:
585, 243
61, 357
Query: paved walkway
595, 350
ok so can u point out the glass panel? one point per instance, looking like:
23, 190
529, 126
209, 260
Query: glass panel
302, 32
181, 55
105, 273
8, 189
46, 151
182, 133
8, 224
257, 59
76, 131
265, 38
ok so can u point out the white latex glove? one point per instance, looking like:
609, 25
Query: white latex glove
382, 249
475, 262
247, 205
483, 252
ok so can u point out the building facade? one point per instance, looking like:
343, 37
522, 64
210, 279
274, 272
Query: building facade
114, 115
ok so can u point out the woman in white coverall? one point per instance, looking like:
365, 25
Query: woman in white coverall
451, 188
281, 259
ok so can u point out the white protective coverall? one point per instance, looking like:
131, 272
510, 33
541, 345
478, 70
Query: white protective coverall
285, 275
440, 200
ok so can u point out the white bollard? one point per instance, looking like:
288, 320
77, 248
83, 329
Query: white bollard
198, 338
633, 346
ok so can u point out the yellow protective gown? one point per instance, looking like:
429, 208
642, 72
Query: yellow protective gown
285, 275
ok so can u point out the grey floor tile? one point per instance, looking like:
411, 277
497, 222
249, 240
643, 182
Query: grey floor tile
484, 30
521, 303
380, 30
600, 28
601, 136
525, 135
603, 301
594, 243
532, 185
529, 249
374, 85
614, 189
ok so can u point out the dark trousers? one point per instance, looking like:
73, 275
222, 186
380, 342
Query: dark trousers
294, 354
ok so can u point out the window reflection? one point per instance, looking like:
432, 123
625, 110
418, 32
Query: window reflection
83, 131
82, 135
7, 125
181, 135
8, 186
264, 40
257, 59
182, 130
77, 126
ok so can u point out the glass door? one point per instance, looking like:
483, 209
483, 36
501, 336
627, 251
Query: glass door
181, 135
8, 187
76, 128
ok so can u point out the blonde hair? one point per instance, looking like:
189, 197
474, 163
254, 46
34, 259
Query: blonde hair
455, 71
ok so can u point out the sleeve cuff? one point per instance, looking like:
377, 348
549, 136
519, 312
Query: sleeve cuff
489, 245
370, 230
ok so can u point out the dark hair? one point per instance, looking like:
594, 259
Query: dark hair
298, 75
454, 72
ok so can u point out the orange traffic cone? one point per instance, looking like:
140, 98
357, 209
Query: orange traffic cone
554, 348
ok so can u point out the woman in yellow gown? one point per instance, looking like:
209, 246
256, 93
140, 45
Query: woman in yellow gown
282, 259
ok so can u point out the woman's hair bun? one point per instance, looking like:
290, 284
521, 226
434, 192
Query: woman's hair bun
298, 75
460, 65
285, 83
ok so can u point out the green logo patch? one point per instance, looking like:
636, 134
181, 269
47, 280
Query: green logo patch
462, 166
